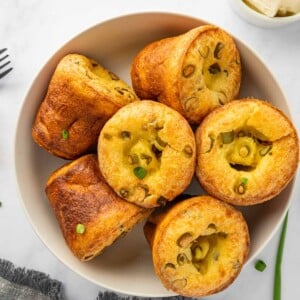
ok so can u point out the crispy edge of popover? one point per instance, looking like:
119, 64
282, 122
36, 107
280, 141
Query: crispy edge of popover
272, 139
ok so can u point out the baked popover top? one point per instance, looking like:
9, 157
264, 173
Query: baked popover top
193, 73
247, 152
147, 153
199, 245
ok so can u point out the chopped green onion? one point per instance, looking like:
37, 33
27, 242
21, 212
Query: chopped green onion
244, 181
227, 137
277, 275
125, 134
133, 159
264, 151
80, 228
123, 193
107, 136
161, 142
214, 69
260, 265
218, 48
212, 141
65, 134
188, 71
241, 189
140, 172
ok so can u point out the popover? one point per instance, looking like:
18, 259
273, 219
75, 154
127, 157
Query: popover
193, 73
80, 98
199, 245
90, 214
247, 152
147, 153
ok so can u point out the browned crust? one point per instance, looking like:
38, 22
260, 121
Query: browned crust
210, 210
78, 194
215, 174
156, 71
79, 101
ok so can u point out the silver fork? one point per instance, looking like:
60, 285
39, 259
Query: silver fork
4, 64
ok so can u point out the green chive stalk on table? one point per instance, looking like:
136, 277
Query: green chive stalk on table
277, 275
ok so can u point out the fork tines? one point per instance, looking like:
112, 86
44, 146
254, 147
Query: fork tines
4, 64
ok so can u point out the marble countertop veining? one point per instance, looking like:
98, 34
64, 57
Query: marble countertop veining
33, 30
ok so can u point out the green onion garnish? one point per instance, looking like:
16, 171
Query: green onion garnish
244, 181
140, 172
125, 134
277, 275
260, 265
65, 134
227, 137
80, 228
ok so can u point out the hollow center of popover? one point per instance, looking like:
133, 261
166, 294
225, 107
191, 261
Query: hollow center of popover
199, 252
243, 148
142, 149
204, 69
204, 250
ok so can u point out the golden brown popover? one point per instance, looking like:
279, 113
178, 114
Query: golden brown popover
247, 152
199, 245
147, 153
90, 214
81, 96
192, 73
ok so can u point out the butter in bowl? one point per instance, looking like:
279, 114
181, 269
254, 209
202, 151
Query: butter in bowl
267, 13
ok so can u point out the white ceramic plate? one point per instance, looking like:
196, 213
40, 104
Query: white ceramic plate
126, 266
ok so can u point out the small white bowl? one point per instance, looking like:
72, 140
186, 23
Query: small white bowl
126, 266
259, 19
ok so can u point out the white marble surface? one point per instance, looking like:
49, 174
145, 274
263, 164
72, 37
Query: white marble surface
33, 30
